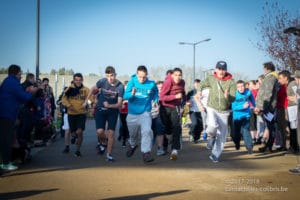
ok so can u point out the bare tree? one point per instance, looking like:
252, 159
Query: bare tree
284, 49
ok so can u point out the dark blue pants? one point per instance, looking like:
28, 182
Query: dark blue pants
7, 129
196, 126
242, 126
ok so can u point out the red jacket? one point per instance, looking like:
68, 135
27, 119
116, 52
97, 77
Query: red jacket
169, 90
282, 100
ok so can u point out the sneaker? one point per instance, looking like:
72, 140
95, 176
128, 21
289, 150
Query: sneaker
281, 149
160, 152
9, 167
109, 158
77, 154
73, 139
147, 157
295, 170
101, 148
250, 150
213, 158
173, 155
66, 150
130, 151
124, 144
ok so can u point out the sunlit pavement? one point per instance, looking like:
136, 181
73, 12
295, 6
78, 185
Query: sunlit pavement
53, 175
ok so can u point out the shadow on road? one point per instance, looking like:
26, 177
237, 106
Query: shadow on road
148, 196
23, 194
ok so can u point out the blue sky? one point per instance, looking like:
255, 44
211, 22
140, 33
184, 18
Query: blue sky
88, 35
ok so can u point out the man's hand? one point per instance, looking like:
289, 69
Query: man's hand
71, 108
133, 91
246, 105
226, 93
178, 96
106, 104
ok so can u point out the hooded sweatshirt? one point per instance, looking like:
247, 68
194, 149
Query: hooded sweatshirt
217, 86
169, 91
239, 112
140, 102
75, 96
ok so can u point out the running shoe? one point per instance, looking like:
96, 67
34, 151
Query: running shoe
77, 154
147, 157
174, 155
131, 150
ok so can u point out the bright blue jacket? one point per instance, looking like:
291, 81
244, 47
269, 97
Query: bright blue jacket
12, 95
239, 112
145, 93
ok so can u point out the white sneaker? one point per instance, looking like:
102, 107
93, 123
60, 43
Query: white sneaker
9, 167
174, 155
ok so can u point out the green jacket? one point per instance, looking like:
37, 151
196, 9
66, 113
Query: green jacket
217, 87
267, 93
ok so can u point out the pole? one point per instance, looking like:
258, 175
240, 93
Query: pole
194, 64
37, 69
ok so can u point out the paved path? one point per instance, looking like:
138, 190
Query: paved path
53, 175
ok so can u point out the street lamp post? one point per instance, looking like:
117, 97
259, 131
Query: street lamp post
37, 68
194, 53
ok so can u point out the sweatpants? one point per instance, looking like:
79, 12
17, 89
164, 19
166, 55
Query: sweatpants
140, 124
217, 127
171, 119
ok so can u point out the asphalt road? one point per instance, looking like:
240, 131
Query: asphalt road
53, 175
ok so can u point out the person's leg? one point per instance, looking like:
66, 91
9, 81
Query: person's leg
146, 132
199, 126
286, 130
193, 126
125, 133
237, 133
176, 128
245, 129
112, 118
211, 129
165, 118
6, 141
133, 128
80, 120
222, 120
272, 130
66, 129
253, 125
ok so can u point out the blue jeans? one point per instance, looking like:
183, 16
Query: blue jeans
242, 126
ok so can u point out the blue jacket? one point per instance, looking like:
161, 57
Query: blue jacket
12, 95
239, 112
145, 93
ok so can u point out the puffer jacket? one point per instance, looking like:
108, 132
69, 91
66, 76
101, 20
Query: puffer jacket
217, 87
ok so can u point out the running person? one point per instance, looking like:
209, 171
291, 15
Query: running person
221, 93
110, 98
140, 92
74, 99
